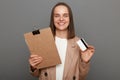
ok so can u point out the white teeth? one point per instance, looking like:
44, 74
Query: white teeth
61, 24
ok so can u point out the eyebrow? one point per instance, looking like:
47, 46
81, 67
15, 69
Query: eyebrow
63, 14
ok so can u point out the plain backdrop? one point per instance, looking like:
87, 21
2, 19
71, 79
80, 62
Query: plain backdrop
97, 21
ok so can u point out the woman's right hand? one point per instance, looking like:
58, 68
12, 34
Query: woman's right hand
34, 60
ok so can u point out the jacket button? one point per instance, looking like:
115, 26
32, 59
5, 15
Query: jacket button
45, 74
73, 45
74, 77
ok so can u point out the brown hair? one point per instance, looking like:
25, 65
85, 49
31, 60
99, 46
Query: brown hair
71, 30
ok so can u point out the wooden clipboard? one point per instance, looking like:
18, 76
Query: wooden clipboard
43, 44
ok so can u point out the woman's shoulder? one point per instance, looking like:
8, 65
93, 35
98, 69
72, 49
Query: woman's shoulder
77, 38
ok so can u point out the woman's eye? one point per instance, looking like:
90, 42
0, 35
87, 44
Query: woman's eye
56, 15
65, 15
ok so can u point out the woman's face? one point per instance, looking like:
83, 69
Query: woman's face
61, 18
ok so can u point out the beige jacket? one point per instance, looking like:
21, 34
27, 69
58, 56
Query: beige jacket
74, 68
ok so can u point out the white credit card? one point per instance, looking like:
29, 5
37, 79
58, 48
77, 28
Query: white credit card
82, 44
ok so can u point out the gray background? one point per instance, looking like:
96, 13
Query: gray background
98, 21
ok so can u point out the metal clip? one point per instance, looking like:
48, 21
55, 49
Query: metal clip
36, 30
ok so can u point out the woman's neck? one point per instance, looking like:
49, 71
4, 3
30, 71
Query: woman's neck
61, 34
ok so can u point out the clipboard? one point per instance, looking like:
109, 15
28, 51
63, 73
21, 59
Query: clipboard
41, 42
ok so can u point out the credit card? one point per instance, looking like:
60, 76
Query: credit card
82, 44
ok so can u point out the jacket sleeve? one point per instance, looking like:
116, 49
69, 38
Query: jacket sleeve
84, 69
35, 73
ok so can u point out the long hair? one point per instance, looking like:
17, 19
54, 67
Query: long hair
71, 30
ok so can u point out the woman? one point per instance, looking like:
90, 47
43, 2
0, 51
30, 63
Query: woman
75, 63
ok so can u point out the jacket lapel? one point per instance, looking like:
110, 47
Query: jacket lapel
71, 57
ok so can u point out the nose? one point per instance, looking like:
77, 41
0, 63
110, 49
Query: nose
61, 18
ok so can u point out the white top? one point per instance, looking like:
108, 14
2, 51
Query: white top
61, 45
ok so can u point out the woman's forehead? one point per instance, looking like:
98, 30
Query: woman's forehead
61, 8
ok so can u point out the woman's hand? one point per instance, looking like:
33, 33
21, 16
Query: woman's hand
87, 54
34, 60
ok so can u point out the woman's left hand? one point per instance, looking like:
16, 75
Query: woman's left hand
87, 54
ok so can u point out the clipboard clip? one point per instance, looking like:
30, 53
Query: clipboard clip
36, 30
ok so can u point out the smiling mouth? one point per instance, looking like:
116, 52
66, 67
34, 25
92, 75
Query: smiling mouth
61, 24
